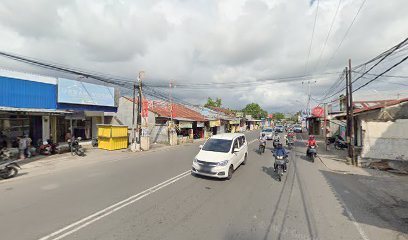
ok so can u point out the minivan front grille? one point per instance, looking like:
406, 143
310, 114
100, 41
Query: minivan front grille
207, 164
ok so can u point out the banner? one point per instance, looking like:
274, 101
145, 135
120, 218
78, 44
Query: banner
185, 124
318, 111
215, 123
76, 92
234, 122
200, 124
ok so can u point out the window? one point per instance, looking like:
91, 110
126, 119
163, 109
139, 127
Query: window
241, 141
235, 144
217, 145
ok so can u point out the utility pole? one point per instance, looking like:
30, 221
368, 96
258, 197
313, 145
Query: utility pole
325, 125
348, 129
352, 139
170, 101
133, 114
139, 111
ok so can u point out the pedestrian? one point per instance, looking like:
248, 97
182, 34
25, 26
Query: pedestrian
28, 141
22, 145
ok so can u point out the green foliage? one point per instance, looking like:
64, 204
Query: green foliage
212, 103
255, 111
278, 116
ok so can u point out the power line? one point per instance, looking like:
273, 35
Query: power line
389, 69
311, 40
347, 32
328, 34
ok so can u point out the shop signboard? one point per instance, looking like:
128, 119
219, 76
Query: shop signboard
232, 122
183, 124
200, 124
77, 92
239, 114
215, 123
318, 111
248, 117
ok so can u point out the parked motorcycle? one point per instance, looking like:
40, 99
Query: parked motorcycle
44, 147
262, 146
76, 148
311, 153
340, 144
5, 154
95, 142
8, 169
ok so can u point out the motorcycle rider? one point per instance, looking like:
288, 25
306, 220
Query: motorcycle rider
311, 142
280, 151
290, 135
262, 140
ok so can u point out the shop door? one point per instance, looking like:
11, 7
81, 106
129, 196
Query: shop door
36, 129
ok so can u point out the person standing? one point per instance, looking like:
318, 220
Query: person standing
22, 145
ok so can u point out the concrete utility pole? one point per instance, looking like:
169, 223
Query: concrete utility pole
139, 111
133, 114
348, 113
325, 125
170, 101
352, 139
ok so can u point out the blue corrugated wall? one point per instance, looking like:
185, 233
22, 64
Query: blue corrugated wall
27, 94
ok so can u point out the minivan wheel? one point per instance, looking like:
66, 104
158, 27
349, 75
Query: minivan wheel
230, 172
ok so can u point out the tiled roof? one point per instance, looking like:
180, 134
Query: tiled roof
372, 105
162, 108
223, 110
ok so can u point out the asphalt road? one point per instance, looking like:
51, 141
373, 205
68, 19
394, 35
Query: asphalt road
154, 196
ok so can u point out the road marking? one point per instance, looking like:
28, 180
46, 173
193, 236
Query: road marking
74, 227
252, 141
359, 229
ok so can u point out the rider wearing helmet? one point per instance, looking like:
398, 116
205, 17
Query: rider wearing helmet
311, 142
280, 151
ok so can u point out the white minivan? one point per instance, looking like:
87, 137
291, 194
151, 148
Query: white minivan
221, 155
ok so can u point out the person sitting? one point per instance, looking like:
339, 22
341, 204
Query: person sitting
311, 142
280, 151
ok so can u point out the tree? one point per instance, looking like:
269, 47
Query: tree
212, 103
255, 111
278, 116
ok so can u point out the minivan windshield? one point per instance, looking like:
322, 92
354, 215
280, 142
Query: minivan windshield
267, 130
217, 145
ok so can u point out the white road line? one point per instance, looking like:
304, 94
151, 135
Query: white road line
359, 229
74, 227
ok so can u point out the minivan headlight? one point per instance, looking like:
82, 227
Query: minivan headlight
223, 163
195, 160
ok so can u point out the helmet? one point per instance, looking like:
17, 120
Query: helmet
311, 137
263, 134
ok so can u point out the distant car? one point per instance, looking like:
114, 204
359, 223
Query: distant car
221, 155
279, 128
268, 133
297, 129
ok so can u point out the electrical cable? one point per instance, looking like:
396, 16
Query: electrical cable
311, 40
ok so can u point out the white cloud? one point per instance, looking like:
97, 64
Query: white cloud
198, 41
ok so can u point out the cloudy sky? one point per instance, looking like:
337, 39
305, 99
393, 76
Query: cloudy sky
205, 41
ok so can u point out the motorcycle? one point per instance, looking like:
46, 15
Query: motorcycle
44, 147
275, 143
262, 145
280, 163
290, 142
95, 141
76, 148
8, 169
340, 144
312, 152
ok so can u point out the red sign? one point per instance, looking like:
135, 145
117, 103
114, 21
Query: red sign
270, 115
145, 108
318, 111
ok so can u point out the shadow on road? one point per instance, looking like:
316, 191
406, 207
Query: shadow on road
373, 200
270, 172
208, 178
